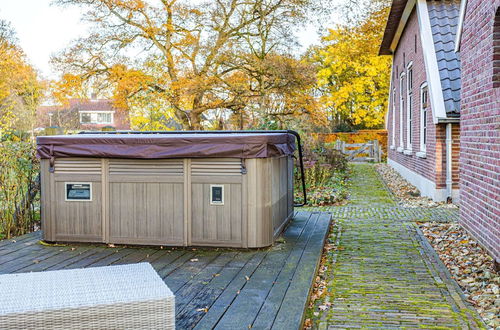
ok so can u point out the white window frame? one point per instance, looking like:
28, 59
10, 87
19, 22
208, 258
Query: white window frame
211, 194
409, 101
423, 122
401, 110
93, 122
393, 144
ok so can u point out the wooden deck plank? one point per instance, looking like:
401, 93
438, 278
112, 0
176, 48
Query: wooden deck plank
137, 255
55, 259
33, 256
247, 305
166, 259
192, 312
229, 293
164, 272
292, 308
34, 249
120, 253
81, 256
5, 243
211, 291
189, 290
176, 279
220, 306
267, 313
100, 253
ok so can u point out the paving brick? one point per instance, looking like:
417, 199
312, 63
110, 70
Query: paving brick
384, 273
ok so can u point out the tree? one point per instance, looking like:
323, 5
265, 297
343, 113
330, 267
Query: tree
354, 80
194, 58
20, 90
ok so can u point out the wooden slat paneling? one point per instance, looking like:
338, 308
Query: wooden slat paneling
156, 167
216, 224
72, 166
146, 212
216, 166
77, 218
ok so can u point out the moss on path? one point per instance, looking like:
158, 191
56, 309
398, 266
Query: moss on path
381, 274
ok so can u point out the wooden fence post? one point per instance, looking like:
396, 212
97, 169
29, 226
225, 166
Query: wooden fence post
376, 151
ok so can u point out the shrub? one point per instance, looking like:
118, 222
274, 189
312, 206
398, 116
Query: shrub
326, 173
19, 209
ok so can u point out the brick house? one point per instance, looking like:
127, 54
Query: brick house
444, 110
478, 44
424, 107
84, 114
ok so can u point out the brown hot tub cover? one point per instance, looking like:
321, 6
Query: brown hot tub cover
157, 146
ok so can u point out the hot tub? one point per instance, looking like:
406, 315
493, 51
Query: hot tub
226, 189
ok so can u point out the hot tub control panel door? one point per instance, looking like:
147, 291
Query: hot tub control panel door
216, 202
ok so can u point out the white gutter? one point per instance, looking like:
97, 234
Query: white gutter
458, 37
449, 159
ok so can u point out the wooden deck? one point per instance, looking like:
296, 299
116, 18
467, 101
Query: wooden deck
214, 288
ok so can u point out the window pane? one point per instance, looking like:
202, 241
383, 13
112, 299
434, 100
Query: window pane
410, 79
85, 118
424, 125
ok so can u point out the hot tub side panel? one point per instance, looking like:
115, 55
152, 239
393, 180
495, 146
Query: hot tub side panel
146, 202
216, 220
269, 185
168, 202
72, 220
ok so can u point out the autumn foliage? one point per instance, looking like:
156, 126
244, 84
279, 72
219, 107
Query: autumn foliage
200, 65
20, 90
354, 80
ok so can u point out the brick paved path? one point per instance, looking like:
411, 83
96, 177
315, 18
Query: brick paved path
384, 274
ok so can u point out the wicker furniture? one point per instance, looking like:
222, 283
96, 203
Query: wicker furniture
113, 297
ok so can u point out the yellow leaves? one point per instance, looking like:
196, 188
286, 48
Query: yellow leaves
355, 78
19, 88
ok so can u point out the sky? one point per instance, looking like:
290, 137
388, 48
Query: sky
44, 29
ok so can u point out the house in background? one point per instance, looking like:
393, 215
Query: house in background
444, 110
478, 43
84, 114
424, 108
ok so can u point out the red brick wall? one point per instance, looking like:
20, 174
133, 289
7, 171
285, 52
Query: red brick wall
480, 128
433, 167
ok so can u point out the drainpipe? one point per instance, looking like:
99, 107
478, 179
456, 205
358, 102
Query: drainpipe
449, 156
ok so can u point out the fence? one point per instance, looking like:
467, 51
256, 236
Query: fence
360, 152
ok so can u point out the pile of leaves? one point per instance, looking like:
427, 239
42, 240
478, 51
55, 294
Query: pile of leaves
470, 266
407, 194
326, 174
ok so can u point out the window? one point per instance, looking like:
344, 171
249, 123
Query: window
393, 117
85, 118
409, 104
424, 106
401, 107
96, 117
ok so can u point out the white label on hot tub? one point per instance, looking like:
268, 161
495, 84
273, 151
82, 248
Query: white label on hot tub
216, 194
78, 191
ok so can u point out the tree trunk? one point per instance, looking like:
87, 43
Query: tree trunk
194, 121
